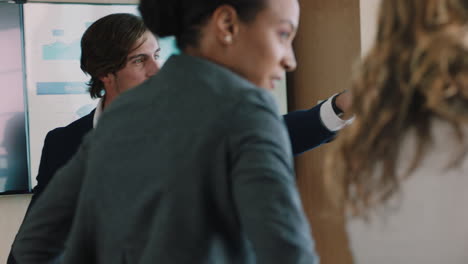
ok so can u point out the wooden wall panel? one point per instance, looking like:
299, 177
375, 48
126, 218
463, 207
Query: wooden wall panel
327, 45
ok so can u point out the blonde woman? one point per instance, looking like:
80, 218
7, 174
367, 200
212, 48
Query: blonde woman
402, 164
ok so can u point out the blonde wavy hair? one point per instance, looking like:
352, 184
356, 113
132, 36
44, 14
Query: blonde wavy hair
417, 70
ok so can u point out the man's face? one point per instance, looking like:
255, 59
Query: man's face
142, 63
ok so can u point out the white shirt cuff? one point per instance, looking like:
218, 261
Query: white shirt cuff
329, 119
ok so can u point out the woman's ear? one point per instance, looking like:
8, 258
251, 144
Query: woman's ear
226, 23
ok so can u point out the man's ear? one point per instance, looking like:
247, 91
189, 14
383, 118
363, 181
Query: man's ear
107, 79
226, 23
109, 83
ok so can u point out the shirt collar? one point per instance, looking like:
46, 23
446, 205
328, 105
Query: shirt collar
98, 112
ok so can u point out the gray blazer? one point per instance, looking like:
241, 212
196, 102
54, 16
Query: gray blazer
193, 166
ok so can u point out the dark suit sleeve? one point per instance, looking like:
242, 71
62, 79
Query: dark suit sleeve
60, 145
306, 129
42, 235
47, 167
264, 188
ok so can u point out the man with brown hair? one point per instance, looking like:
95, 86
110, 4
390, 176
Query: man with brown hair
118, 53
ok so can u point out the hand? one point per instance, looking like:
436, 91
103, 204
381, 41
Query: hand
344, 101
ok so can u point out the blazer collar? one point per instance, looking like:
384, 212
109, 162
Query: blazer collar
199, 68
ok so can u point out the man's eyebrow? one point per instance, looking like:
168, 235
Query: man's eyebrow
136, 56
141, 55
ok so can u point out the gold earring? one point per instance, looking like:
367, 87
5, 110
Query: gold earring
228, 39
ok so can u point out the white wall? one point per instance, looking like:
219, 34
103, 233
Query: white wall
12, 210
369, 10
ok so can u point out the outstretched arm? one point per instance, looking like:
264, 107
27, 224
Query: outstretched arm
311, 128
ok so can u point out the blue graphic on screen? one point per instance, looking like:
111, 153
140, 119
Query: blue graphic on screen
58, 32
168, 47
52, 88
60, 50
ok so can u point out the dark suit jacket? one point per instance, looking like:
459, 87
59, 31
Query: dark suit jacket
193, 166
60, 145
305, 129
